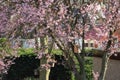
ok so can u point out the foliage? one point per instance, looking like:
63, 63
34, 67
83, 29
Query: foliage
2, 43
63, 21
60, 71
23, 67
4, 47
26, 51
31, 51
88, 67
5, 51
56, 51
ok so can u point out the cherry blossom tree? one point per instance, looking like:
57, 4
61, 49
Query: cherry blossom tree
63, 21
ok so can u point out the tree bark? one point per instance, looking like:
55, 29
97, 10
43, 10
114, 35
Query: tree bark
105, 58
50, 46
44, 73
72, 66
82, 63
70, 62
104, 66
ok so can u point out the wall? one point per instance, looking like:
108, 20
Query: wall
113, 72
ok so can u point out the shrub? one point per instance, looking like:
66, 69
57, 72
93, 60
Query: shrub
24, 67
88, 67
26, 51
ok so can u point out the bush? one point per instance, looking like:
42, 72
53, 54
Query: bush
24, 67
59, 71
26, 64
56, 52
88, 52
88, 67
4, 48
26, 51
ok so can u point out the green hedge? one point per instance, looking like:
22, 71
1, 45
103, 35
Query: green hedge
88, 67
26, 51
23, 67
27, 60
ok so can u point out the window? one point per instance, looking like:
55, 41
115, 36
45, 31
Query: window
86, 44
91, 44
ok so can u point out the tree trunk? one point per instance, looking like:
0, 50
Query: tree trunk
104, 66
80, 58
71, 65
44, 73
50, 46
105, 58
82, 63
